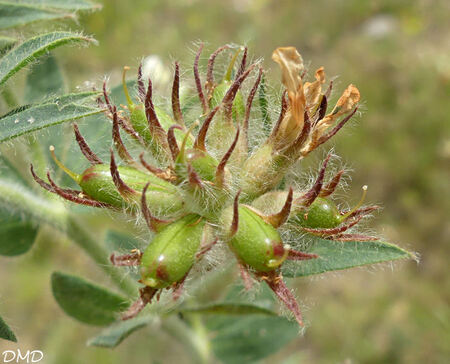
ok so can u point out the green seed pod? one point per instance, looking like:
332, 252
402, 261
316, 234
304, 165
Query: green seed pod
255, 242
172, 252
219, 91
96, 182
139, 121
203, 163
322, 213
205, 166
202, 194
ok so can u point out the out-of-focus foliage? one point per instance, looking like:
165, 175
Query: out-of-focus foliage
86, 302
5, 331
397, 53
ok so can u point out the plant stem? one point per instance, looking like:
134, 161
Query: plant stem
33, 207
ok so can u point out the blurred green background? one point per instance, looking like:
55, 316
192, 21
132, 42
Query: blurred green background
398, 54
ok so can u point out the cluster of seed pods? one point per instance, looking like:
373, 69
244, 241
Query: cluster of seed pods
193, 200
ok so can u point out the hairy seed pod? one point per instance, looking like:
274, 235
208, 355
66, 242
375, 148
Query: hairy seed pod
199, 163
172, 252
255, 242
322, 213
96, 182
202, 162
139, 121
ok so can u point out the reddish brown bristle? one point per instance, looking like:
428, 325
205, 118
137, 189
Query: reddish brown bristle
201, 136
121, 186
198, 82
220, 171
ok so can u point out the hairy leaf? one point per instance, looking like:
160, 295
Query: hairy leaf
5, 332
6, 43
229, 308
86, 302
335, 255
9, 172
81, 98
33, 48
245, 339
17, 235
74, 98
64, 4
65, 108
251, 338
116, 333
19, 14
43, 80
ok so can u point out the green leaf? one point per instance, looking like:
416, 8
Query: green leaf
335, 255
116, 333
251, 338
32, 48
64, 4
9, 172
44, 79
16, 234
63, 109
15, 111
19, 14
117, 95
5, 332
6, 43
75, 98
229, 308
86, 302
245, 339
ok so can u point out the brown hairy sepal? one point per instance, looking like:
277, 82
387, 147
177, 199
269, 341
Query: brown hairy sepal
276, 283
